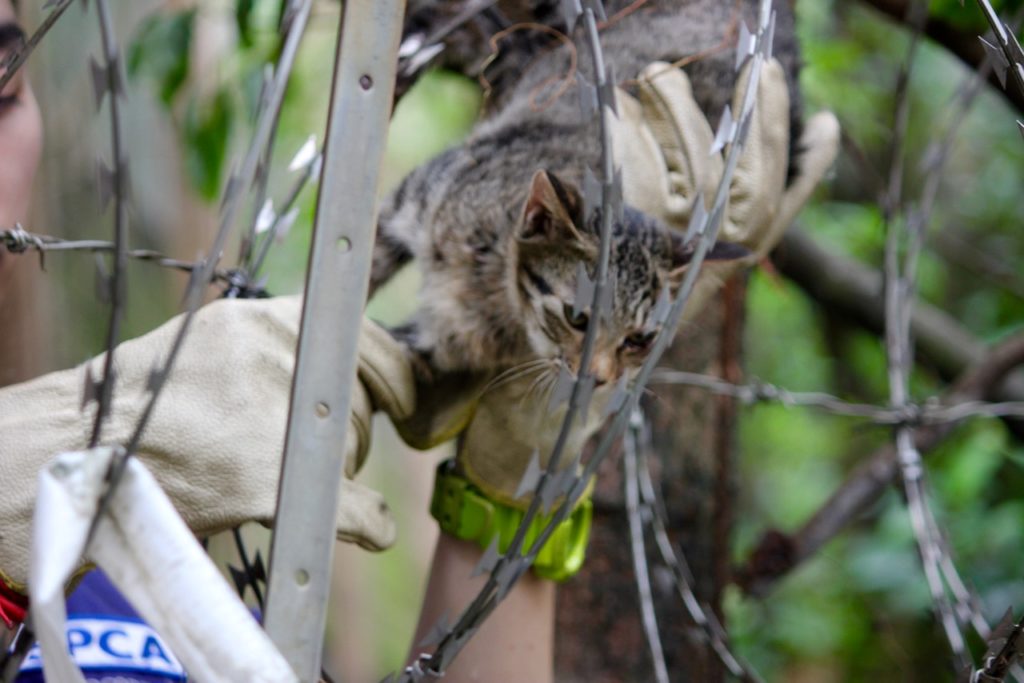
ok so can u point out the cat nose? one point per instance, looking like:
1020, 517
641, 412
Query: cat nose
603, 369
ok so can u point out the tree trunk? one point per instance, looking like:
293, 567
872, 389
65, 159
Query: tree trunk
600, 638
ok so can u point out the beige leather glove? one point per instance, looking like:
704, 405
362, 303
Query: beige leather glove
501, 422
663, 139
216, 436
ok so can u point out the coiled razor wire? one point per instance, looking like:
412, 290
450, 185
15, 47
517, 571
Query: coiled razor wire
1007, 55
200, 277
548, 484
955, 605
644, 505
108, 80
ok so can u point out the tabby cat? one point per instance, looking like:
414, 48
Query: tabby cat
497, 225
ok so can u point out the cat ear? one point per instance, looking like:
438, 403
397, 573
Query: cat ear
682, 254
551, 210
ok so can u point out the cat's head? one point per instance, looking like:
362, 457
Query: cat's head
552, 239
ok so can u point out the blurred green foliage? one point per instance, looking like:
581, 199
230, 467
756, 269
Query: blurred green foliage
162, 51
860, 610
161, 54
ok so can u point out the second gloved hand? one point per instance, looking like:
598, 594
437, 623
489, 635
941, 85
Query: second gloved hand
215, 440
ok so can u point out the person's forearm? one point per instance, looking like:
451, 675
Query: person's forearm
515, 644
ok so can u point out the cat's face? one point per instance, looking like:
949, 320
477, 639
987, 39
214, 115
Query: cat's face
646, 259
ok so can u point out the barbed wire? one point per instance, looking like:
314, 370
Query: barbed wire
757, 391
17, 240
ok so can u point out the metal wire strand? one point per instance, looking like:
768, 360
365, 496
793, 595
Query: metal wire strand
110, 88
631, 486
18, 241
756, 391
708, 625
17, 57
204, 271
513, 564
938, 566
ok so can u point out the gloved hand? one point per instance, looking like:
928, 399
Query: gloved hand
500, 422
216, 437
663, 142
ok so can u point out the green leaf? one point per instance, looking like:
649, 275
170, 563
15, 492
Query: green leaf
207, 133
243, 19
160, 51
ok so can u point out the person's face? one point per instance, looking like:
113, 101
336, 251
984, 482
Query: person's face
20, 131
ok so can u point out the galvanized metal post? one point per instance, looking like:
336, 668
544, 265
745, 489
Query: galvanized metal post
336, 288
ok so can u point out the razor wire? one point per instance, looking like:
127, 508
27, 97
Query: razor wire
956, 608
637, 446
273, 223
17, 57
108, 80
1007, 55
505, 569
238, 182
636, 516
108, 84
205, 269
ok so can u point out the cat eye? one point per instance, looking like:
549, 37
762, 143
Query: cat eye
639, 341
576, 320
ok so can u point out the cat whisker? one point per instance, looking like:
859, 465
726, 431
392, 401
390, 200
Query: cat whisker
549, 388
515, 373
509, 373
546, 377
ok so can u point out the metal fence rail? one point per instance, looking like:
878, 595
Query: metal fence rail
325, 368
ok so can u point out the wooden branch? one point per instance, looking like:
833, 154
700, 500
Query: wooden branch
778, 553
965, 45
